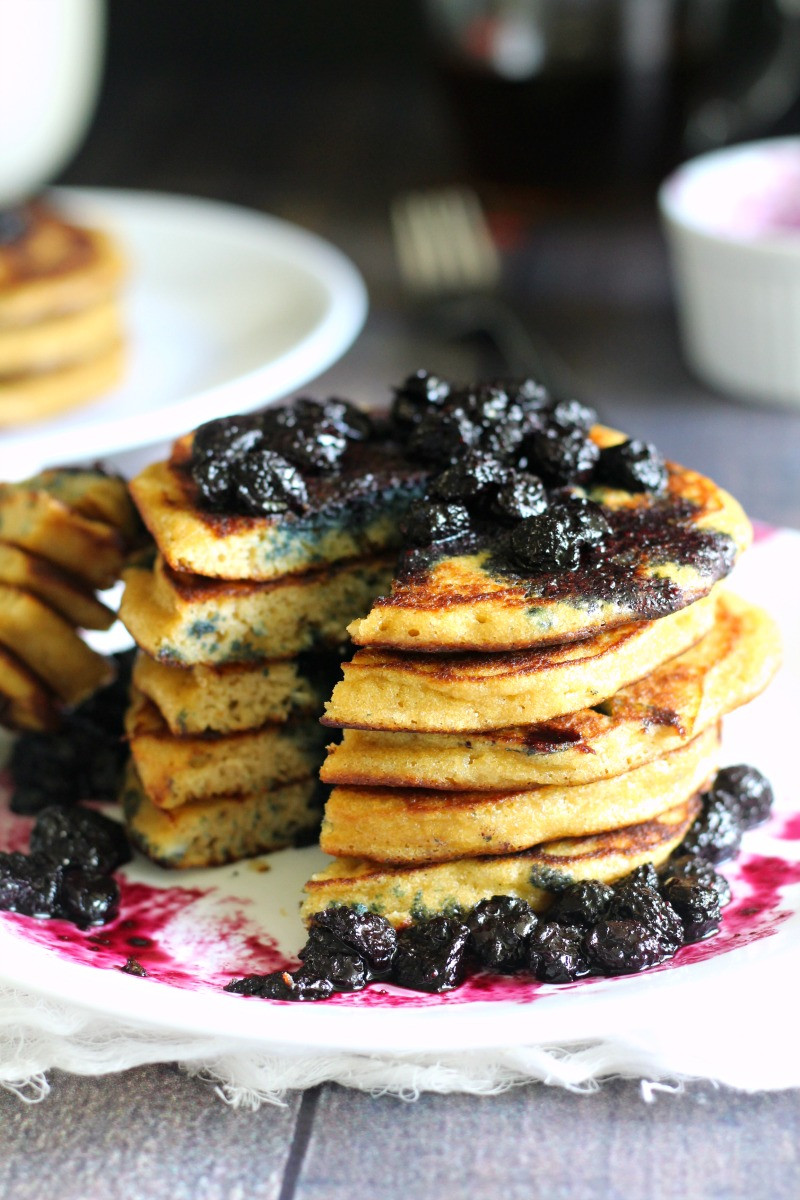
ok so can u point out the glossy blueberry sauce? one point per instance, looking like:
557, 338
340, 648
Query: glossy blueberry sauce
199, 938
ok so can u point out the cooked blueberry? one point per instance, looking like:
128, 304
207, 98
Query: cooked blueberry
29, 884
645, 874
559, 456
281, 985
80, 837
568, 414
213, 479
697, 906
499, 930
45, 770
324, 957
415, 396
343, 416
521, 497
314, 447
366, 933
88, 898
586, 519
428, 522
687, 866
264, 483
443, 436
105, 709
431, 956
544, 543
636, 901
14, 224
634, 466
487, 403
472, 476
226, 438
716, 834
582, 903
622, 947
555, 953
745, 792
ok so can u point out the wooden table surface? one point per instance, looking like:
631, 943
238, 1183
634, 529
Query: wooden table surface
595, 284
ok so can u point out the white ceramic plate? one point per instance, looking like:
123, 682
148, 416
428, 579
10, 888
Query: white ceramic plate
226, 309
206, 927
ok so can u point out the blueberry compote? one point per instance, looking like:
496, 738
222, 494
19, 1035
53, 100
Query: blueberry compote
516, 471
74, 850
591, 928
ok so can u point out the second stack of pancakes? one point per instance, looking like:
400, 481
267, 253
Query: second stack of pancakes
467, 771
235, 618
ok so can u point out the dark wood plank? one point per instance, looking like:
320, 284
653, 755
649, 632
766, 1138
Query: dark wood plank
151, 1132
543, 1142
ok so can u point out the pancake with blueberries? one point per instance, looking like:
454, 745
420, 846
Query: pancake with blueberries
434, 693
236, 696
540, 526
728, 667
188, 619
26, 702
208, 833
407, 893
405, 825
176, 770
280, 492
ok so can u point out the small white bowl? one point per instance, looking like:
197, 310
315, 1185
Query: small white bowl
732, 220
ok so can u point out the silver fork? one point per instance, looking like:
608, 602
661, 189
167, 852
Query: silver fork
450, 264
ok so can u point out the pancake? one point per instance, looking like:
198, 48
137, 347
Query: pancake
34, 518
186, 619
55, 267
26, 703
94, 494
400, 825
61, 591
176, 770
40, 394
208, 833
49, 647
238, 696
663, 553
353, 512
384, 689
69, 338
409, 893
728, 667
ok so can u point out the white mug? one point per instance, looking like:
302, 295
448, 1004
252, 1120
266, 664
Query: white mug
51, 53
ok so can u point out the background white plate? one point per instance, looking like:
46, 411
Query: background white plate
212, 925
225, 308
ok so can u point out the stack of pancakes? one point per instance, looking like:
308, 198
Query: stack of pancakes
63, 534
507, 734
61, 339
234, 619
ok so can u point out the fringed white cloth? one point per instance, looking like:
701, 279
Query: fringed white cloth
744, 1044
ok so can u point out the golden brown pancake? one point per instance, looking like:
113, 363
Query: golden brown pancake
400, 825
176, 770
208, 833
664, 553
49, 647
61, 591
353, 512
55, 267
408, 893
728, 667
36, 396
26, 703
186, 619
231, 698
384, 689
33, 517
70, 338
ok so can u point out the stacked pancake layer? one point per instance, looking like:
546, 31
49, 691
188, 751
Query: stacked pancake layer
61, 337
533, 741
63, 534
237, 619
